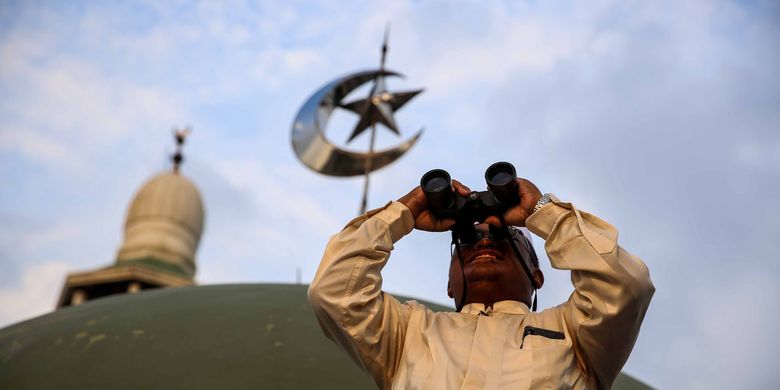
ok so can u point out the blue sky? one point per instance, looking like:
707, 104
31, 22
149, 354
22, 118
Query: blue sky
660, 117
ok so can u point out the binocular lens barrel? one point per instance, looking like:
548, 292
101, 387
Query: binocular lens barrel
437, 187
501, 179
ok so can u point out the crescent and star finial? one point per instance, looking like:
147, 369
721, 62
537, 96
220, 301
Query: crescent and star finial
318, 153
179, 135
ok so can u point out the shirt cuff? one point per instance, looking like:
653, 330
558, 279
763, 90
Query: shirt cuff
396, 215
543, 220
399, 218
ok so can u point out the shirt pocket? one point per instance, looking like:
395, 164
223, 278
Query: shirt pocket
552, 357
541, 332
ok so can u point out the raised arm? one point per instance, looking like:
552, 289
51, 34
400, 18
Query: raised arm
346, 293
347, 297
612, 288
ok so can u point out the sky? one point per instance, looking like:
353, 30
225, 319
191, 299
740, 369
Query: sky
662, 118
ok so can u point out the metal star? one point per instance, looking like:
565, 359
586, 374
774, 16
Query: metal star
378, 107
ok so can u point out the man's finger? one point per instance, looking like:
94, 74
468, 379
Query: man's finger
447, 223
493, 220
462, 189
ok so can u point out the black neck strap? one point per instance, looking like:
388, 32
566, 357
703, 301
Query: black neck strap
462, 300
522, 263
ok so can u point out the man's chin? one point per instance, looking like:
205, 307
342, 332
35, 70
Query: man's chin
482, 272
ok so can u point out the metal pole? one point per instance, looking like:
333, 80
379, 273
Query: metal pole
369, 160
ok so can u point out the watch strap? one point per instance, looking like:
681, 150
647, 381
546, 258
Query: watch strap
543, 201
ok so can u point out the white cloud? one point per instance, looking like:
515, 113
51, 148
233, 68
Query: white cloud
35, 295
66, 111
758, 156
728, 342
276, 195
34, 146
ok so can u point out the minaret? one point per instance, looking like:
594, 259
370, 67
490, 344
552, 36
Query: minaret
162, 230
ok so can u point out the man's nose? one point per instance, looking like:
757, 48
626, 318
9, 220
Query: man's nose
485, 242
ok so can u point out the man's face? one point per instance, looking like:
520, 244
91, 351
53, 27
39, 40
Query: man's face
492, 271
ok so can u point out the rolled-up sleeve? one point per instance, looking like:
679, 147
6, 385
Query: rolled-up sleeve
346, 293
612, 288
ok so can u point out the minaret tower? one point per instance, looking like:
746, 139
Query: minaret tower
162, 230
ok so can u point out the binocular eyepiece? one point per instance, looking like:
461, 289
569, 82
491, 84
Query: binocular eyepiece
445, 202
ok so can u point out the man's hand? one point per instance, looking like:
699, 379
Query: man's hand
423, 218
517, 215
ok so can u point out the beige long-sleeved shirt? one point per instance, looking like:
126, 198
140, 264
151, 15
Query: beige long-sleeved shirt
582, 343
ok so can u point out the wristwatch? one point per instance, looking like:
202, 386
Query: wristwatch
544, 200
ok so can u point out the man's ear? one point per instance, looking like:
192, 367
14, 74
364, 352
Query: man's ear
538, 278
449, 289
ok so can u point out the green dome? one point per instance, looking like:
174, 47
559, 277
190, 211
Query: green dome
258, 336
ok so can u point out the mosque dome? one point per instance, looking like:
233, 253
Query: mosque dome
240, 336
164, 223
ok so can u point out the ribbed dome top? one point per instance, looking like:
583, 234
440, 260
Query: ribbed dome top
164, 223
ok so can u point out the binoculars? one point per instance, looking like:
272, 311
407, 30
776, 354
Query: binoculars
445, 202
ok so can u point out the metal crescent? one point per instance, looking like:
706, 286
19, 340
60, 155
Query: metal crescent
317, 152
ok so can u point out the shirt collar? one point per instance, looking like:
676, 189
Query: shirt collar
509, 307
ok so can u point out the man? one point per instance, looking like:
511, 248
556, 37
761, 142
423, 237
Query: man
494, 341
